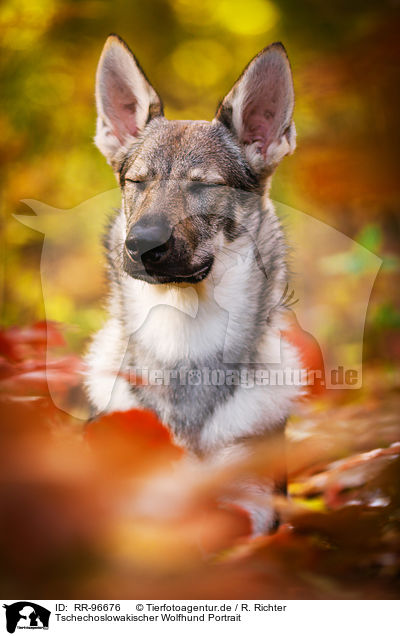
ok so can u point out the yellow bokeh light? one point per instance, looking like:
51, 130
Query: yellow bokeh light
201, 62
196, 13
24, 21
252, 17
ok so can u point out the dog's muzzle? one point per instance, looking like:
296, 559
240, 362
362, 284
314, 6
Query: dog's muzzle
152, 254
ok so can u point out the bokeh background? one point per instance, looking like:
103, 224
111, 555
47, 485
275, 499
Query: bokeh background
345, 58
105, 510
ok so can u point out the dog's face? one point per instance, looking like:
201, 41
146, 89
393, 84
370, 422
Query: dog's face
183, 195
190, 187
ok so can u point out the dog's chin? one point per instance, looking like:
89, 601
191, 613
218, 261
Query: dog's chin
159, 278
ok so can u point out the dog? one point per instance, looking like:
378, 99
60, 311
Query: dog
197, 263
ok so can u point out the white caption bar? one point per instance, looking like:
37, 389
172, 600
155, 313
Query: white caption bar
311, 618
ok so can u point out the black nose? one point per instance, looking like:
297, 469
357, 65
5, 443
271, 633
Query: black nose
149, 241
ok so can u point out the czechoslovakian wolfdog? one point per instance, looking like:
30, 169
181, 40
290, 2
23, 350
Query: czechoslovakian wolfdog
197, 263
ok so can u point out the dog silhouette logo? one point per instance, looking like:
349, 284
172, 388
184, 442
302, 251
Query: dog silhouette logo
26, 615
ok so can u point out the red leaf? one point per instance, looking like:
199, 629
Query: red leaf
309, 351
15, 341
131, 441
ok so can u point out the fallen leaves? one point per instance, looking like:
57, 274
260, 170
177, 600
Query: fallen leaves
113, 509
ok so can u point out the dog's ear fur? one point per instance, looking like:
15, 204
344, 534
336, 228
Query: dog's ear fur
259, 109
125, 99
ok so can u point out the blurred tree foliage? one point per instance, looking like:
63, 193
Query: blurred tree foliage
345, 58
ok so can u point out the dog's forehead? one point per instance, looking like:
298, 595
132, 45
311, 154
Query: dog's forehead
187, 149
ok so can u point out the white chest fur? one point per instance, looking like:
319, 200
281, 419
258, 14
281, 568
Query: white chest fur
175, 322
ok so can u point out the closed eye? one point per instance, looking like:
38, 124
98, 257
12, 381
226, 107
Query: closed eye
139, 184
197, 185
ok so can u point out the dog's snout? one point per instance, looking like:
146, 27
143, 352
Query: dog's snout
149, 242
157, 253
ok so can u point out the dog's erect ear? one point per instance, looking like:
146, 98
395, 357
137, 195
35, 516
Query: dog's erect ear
125, 99
259, 109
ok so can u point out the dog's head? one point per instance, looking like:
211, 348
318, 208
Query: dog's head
190, 187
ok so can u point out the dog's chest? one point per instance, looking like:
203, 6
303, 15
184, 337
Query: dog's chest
178, 360
187, 402
179, 344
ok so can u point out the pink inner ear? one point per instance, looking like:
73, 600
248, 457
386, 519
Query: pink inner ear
128, 116
257, 125
259, 116
267, 100
121, 107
